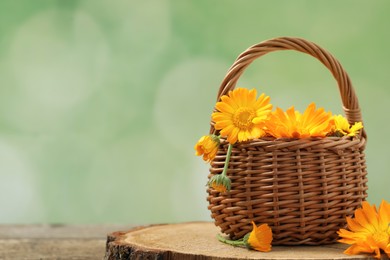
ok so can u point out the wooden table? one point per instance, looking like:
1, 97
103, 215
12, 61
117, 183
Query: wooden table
19, 242
89, 242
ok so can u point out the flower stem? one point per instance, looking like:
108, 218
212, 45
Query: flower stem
228, 155
239, 242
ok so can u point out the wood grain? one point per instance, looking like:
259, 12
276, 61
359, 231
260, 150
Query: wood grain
197, 240
77, 242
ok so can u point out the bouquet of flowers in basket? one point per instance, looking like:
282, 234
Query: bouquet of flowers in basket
241, 116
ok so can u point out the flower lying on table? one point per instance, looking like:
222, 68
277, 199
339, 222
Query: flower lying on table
259, 239
369, 230
241, 116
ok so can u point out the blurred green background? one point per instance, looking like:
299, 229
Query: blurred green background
101, 102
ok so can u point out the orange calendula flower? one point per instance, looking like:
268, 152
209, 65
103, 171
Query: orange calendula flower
341, 126
220, 183
240, 116
292, 124
369, 231
207, 146
260, 238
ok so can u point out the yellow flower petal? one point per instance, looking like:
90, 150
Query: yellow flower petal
256, 132
357, 249
384, 214
361, 219
227, 130
232, 137
225, 108
370, 213
223, 123
355, 128
355, 226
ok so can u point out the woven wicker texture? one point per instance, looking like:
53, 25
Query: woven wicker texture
304, 189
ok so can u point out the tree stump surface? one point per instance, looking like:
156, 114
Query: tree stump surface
197, 240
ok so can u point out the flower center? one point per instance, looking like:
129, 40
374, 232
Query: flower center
243, 117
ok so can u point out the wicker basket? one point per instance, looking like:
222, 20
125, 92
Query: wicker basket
303, 188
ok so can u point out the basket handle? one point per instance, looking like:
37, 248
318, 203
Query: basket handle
347, 92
